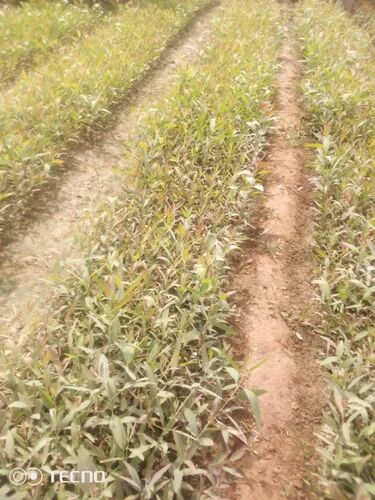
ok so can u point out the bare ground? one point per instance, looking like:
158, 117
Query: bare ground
273, 281
27, 262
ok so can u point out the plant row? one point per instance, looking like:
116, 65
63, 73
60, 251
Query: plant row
365, 16
133, 373
48, 110
340, 97
29, 33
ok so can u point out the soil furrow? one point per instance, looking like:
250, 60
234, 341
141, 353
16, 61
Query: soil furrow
29, 260
275, 277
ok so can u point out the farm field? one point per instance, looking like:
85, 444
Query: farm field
187, 264
50, 108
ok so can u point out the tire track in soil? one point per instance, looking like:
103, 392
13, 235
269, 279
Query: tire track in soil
28, 262
273, 280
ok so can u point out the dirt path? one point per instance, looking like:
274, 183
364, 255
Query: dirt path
274, 276
49, 239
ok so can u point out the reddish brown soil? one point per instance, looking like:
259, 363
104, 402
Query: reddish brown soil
275, 277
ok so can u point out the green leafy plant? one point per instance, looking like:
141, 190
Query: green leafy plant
48, 110
133, 372
339, 93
